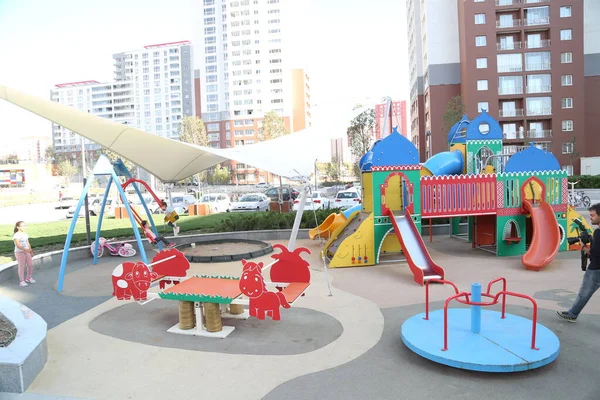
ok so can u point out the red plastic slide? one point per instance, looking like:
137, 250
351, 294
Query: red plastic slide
419, 260
546, 236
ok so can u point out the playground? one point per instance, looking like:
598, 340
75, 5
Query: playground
309, 320
343, 346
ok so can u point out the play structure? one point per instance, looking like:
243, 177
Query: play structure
113, 171
205, 300
513, 204
495, 342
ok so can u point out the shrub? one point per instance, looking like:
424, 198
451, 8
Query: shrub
258, 221
586, 181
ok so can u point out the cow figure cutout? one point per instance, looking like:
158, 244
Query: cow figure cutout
262, 302
132, 279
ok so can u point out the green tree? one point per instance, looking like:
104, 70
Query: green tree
273, 127
193, 131
333, 170
360, 133
220, 175
455, 109
66, 170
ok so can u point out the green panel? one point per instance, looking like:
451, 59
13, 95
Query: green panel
503, 230
562, 222
382, 227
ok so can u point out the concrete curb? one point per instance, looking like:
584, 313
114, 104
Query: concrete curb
51, 259
266, 249
25, 357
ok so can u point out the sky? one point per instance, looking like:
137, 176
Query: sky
355, 51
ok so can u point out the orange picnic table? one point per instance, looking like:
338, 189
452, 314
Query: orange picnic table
200, 301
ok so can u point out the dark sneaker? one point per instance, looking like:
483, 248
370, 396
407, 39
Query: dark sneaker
565, 315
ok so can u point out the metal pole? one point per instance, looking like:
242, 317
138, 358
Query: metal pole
85, 203
315, 175
476, 310
296, 227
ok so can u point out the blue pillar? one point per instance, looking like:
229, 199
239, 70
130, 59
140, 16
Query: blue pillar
476, 310
134, 225
65, 255
100, 217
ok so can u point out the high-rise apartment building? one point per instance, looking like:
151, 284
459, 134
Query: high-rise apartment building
245, 72
163, 79
153, 90
523, 61
396, 116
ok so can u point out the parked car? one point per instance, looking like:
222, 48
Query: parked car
252, 202
71, 211
346, 199
314, 201
180, 204
287, 193
109, 209
218, 202
263, 185
66, 202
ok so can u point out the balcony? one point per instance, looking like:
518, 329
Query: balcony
510, 150
539, 89
540, 66
502, 68
535, 1
536, 21
514, 23
539, 133
512, 136
539, 45
503, 91
509, 46
502, 3
539, 111
517, 112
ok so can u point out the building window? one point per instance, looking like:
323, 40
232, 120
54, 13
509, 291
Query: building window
567, 125
568, 168
483, 106
510, 62
482, 84
537, 61
212, 97
566, 80
565, 11
480, 41
478, 1
479, 19
566, 58
567, 148
566, 34
567, 102
481, 63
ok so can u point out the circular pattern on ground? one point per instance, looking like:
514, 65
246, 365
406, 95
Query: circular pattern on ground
503, 345
300, 330
225, 250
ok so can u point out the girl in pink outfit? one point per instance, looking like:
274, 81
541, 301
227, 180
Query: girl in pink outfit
23, 253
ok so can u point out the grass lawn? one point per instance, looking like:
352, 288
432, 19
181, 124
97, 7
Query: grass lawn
55, 233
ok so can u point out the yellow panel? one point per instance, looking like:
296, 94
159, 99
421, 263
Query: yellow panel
537, 189
425, 171
367, 194
463, 149
391, 244
356, 246
393, 193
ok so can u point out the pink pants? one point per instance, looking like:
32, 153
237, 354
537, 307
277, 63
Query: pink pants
24, 258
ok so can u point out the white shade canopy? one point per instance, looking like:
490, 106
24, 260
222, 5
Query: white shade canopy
291, 156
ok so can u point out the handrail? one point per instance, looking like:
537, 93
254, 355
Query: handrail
493, 302
464, 298
442, 281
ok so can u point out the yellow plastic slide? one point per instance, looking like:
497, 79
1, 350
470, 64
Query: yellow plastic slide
331, 223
